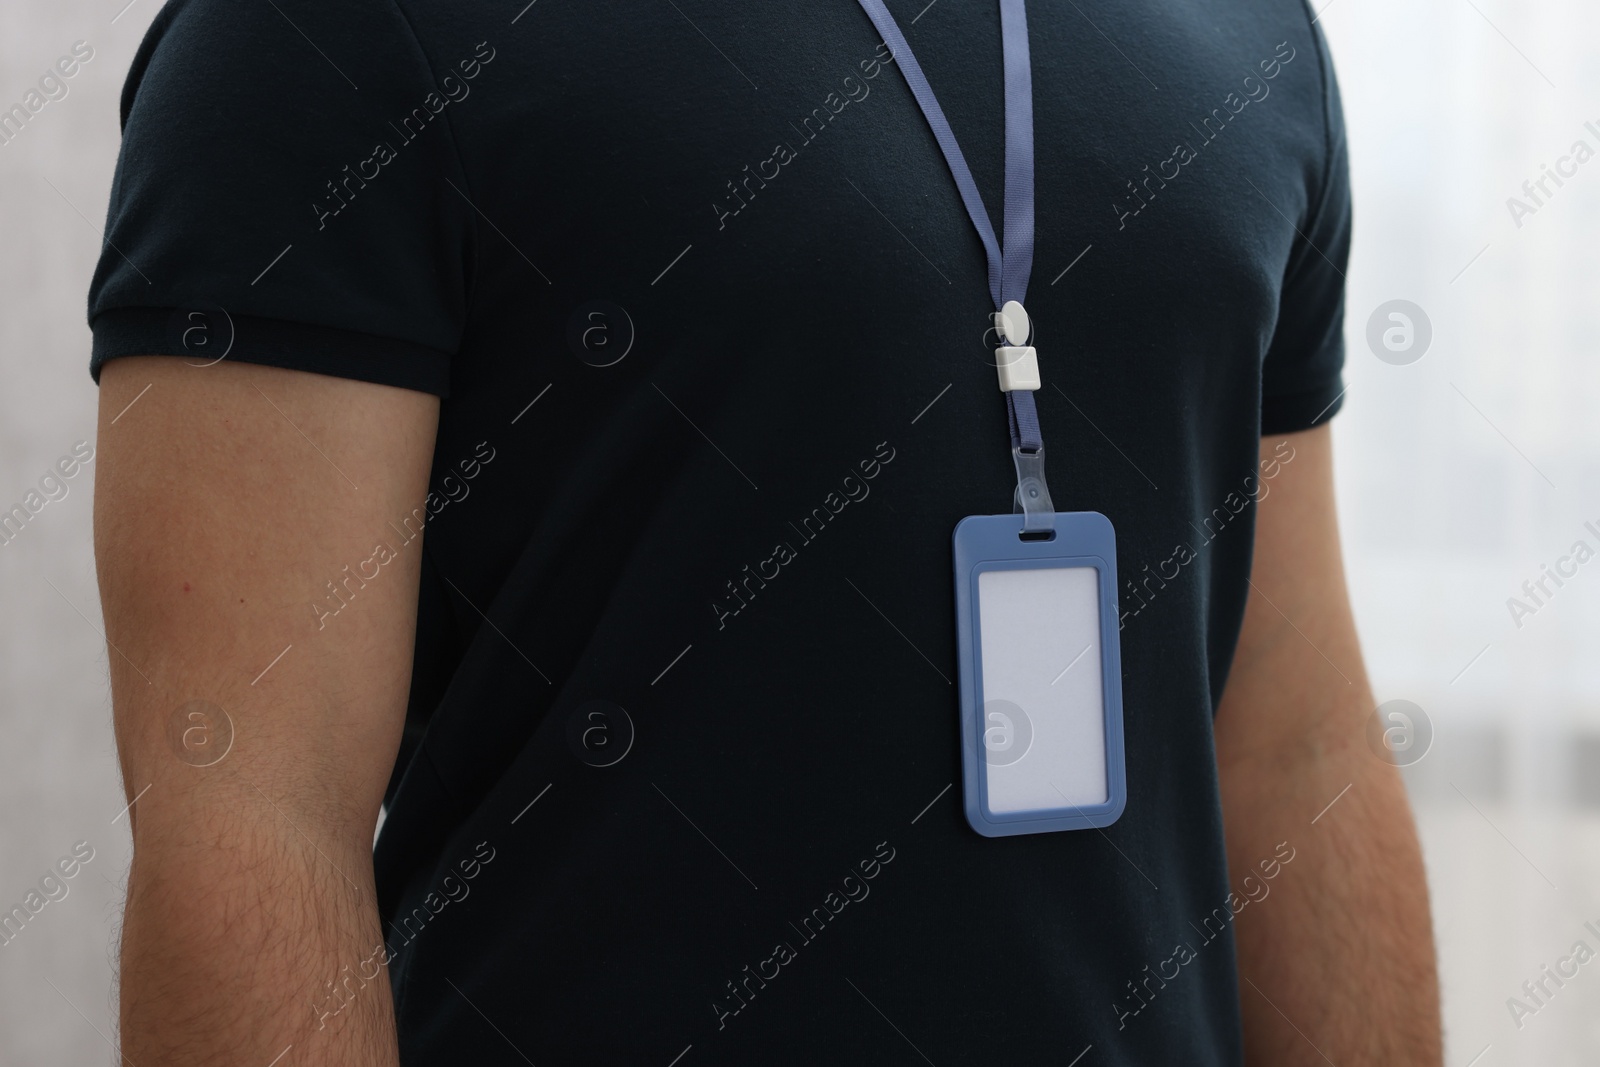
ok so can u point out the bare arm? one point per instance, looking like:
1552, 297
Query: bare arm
218, 524
1337, 961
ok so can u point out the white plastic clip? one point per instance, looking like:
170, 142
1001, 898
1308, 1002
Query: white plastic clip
1012, 323
1018, 367
1016, 361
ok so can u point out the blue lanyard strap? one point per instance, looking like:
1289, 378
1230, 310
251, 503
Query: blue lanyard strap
1009, 270
1008, 273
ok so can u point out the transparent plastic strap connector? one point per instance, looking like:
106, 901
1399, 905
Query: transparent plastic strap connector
1033, 495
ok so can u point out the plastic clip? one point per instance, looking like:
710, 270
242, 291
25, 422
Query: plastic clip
1033, 495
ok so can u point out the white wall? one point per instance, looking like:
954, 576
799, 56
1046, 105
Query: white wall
58, 778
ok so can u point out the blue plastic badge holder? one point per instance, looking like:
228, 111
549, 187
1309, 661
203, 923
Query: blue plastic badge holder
1040, 674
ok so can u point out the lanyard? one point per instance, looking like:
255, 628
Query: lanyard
1008, 270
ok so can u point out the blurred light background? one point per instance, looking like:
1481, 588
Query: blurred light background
1464, 472
1460, 473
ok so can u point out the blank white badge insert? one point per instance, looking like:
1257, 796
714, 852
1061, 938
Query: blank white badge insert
1044, 743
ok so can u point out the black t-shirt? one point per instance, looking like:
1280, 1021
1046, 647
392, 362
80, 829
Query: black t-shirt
710, 323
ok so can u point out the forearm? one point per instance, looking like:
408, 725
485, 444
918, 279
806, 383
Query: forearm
243, 941
1339, 955
251, 922
1336, 957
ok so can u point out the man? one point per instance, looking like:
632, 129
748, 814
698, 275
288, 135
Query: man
667, 320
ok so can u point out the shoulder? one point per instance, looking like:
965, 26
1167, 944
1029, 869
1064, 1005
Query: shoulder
282, 51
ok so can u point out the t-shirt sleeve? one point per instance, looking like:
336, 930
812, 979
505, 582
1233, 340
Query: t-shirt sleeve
284, 196
1301, 381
